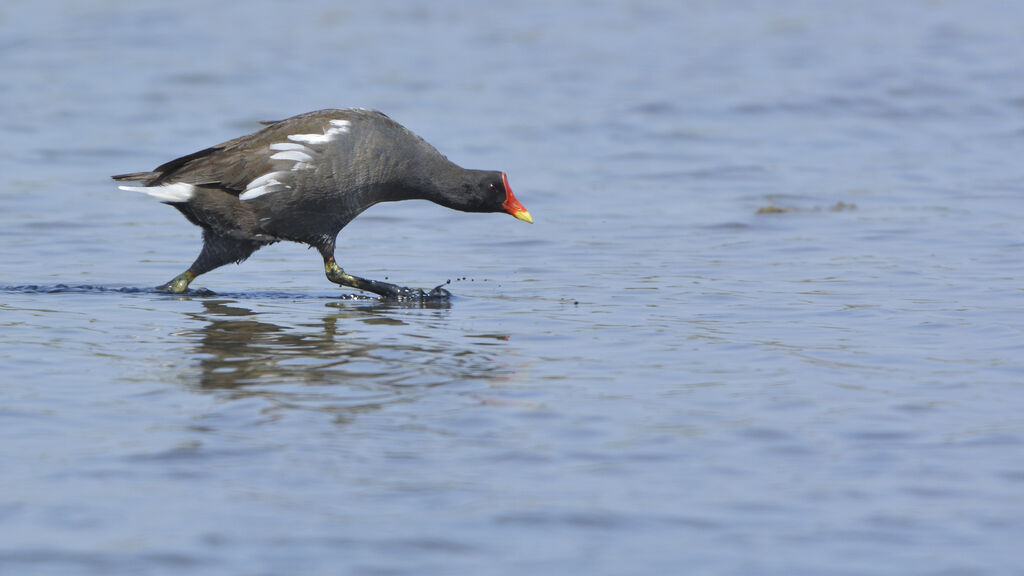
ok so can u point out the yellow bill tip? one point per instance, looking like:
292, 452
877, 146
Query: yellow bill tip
523, 215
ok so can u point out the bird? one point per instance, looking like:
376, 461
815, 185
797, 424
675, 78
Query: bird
303, 179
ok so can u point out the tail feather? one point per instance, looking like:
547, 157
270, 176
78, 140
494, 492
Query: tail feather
136, 177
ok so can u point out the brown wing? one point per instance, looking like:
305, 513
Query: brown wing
237, 163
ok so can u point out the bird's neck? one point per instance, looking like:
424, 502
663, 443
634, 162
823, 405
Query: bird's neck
421, 179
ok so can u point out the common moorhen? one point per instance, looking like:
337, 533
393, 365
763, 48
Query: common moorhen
303, 179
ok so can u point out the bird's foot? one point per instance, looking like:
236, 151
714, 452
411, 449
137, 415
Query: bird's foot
439, 293
403, 294
179, 285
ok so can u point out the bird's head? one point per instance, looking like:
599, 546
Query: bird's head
485, 191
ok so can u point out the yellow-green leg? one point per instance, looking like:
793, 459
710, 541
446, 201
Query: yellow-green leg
383, 289
179, 284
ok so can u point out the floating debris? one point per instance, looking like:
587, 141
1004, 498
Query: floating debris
776, 209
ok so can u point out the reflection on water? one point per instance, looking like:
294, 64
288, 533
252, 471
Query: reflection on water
352, 356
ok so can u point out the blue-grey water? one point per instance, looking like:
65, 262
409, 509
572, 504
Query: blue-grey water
769, 320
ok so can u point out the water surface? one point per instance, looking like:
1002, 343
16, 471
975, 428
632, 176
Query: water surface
768, 320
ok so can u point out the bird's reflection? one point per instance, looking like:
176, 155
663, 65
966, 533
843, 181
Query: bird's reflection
350, 357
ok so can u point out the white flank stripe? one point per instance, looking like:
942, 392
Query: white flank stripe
174, 192
310, 138
263, 185
337, 127
258, 191
265, 179
294, 155
290, 146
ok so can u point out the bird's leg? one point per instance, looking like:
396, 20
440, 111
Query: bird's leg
383, 289
217, 251
179, 284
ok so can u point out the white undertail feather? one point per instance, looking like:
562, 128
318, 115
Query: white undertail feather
173, 192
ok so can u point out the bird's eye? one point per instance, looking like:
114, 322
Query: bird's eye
493, 188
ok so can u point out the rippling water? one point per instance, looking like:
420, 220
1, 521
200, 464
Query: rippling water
768, 320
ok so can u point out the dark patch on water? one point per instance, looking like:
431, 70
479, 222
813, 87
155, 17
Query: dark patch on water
79, 289
203, 293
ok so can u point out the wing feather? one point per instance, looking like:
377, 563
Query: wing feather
259, 163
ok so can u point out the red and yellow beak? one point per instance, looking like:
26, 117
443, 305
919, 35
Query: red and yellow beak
511, 205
